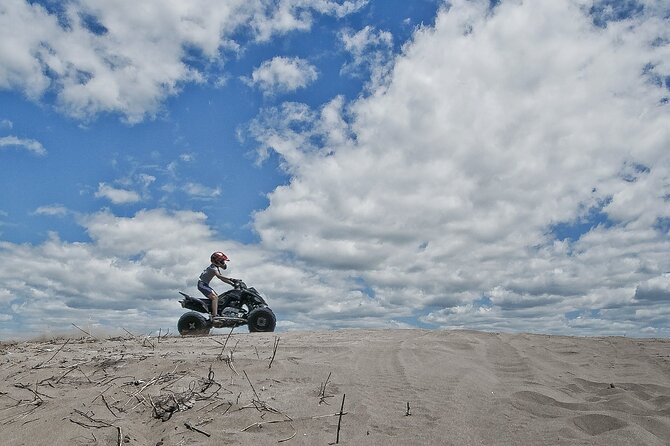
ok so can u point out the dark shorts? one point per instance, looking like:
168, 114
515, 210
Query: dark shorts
205, 289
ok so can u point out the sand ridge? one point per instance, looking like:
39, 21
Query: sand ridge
402, 387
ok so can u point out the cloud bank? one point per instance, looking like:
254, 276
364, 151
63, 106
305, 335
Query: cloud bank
510, 173
117, 57
444, 191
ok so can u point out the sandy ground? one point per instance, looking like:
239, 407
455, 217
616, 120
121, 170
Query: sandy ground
402, 387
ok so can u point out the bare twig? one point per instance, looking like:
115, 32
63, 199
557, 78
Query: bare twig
85, 376
322, 393
38, 395
151, 344
90, 418
229, 361
287, 439
193, 428
235, 348
226, 341
65, 374
339, 421
89, 334
289, 419
274, 351
252, 386
107, 406
54, 355
101, 393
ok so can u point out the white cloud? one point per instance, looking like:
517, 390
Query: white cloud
371, 51
433, 198
117, 196
200, 191
6, 124
28, 144
283, 75
442, 188
288, 15
116, 57
129, 274
56, 210
145, 179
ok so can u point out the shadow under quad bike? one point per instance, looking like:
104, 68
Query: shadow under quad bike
240, 306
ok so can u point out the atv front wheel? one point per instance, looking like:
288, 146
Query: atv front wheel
261, 319
192, 324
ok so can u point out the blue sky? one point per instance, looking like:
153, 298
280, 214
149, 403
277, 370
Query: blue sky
365, 163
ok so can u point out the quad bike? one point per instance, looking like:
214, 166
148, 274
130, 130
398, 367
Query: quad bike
231, 311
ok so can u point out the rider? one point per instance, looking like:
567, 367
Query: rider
218, 260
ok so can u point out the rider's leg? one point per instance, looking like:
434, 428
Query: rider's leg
215, 303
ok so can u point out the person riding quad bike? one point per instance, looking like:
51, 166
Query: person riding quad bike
218, 262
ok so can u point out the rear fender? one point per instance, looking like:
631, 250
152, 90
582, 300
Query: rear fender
195, 304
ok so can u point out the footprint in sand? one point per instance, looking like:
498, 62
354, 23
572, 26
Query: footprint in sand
596, 424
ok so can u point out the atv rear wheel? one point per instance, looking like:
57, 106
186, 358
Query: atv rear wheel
193, 324
261, 319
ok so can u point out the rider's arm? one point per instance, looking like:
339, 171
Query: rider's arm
226, 279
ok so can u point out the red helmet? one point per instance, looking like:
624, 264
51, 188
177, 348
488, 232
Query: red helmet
219, 259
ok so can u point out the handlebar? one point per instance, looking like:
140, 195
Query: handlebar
239, 284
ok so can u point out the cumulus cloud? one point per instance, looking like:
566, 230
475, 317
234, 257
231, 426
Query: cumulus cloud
286, 15
440, 197
56, 210
117, 196
131, 269
22, 143
442, 191
283, 75
371, 53
115, 57
201, 191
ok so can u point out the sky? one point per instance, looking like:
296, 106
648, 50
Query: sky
488, 165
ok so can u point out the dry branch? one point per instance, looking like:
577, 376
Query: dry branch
322, 392
295, 432
288, 420
193, 428
226, 342
107, 406
82, 330
40, 365
339, 421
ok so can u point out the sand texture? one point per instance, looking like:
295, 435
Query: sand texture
402, 387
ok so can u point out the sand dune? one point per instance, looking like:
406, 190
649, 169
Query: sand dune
402, 387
